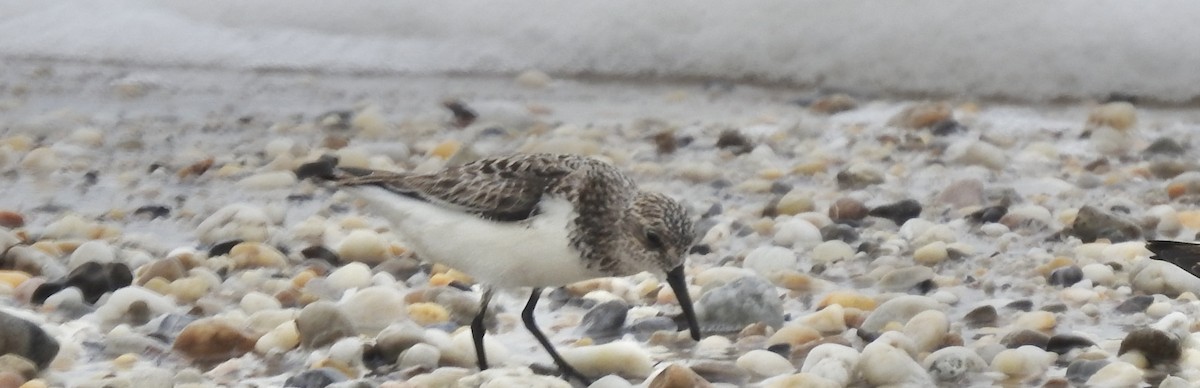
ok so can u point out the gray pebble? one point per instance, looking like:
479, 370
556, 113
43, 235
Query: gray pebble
321, 323
315, 378
1157, 346
26, 339
605, 321
733, 306
1092, 223
1066, 276
1079, 371
1064, 343
983, 316
1025, 337
905, 279
898, 309
646, 327
1135, 304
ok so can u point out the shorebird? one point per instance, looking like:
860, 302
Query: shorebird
1183, 254
532, 221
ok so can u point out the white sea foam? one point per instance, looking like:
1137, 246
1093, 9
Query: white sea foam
1026, 49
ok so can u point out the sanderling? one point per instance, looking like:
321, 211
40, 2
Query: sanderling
533, 221
1183, 254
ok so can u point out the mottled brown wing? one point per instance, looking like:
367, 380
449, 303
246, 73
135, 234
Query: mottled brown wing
1183, 255
502, 189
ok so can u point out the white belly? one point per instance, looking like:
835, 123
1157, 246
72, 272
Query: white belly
532, 253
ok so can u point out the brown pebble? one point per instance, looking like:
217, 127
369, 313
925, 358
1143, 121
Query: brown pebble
833, 104
212, 340
463, 115
922, 115
665, 142
678, 376
847, 209
734, 141
198, 168
11, 219
335, 142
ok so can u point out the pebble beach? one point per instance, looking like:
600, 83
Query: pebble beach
157, 231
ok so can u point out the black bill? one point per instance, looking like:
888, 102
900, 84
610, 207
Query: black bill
678, 284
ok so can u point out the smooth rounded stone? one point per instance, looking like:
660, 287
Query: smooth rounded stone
1025, 337
1080, 370
238, 221
962, 193
1020, 305
13, 279
835, 362
1118, 115
66, 300
847, 209
977, 153
396, 338
831, 319
282, 338
735, 305
841, 232
904, 279
859, 176
122, 302
1066, 276
212, 340
1116, 374
674, 376
605, 321
1110, 142
953, 363
321, 323
831, 251
365, 308
257, 255
10, 220
848, 299
1158, 277
365, 246
1036, 320
897, 212
794, 335
350, 276
315, 378
21, 366
644, 328
427, 314
899, 309
622, 358
1064, 343
1156, 346
254, 302
459, 349
1091, 224
168, 269
922, 115
769, 259
796, 231
268, 180
1099, 274
533, 79
441, 377
348, 351
420, 355
94, 279
765, 363
793, 203
1174, 382
41, 161
882, 364
1023, 363
927, 329
94, 251
931, 254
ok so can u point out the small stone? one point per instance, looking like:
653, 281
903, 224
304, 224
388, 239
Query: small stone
769, 260
644, 328
364, 245
237, 221
961, 194
1164, 146
795, 231
268, 180
626, 359
315, 378
677, 376
11, 363
1024, 363
122, 303
397, 338
257, 255
1135, 304
765, 363
848, 299
1156, 346
11, 219
1063, 343
883, 364
606, 320
847, 209
905, 279
794, 335
721, 372
282, 338
1092, 223
840, 232
953, 364
898, 212
41, 161
427, 314
363, 308
23, 338
350, 276
1036, 320
1116, 374
533, 79
927, 329
1026, 338
212, 340
94, 279
859, 176
420, 355
923, 115
321, 323
988, 214
1066, 276
931, 254
13, 278
793, 203
899, 309
735, 305
831, 361
1099, 274
1118, 115
734, 141
1079, 371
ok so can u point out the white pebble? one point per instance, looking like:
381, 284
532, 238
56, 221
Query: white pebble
238, 221
1026, 362
713, 346
721, 275
927, 329
795, 231
268, 180
347, 350
835, 362
96, 251
993, 229
353, 275
87, 136
1118, 115
769, 260
1076, 296
765, 363
41, 161
831, 319
282, 338
364, 308
831, 251
1101, 274
883, 364
280, 146
1109, 141
255, 301
533, 79
460, 349
931, 253
118, 303
365, 246
952, 363
422, 355
1116, 374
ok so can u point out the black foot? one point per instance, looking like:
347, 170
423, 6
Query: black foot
527, 317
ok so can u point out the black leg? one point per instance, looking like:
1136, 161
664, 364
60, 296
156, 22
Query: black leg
477, 329
527, 317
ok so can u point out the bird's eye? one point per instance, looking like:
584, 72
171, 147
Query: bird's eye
653, 241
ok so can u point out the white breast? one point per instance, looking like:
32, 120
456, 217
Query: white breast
531, 253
